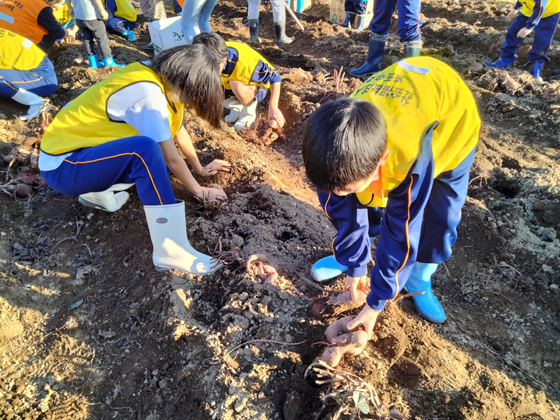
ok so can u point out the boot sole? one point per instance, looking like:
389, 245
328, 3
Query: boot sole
162, 269
92, 204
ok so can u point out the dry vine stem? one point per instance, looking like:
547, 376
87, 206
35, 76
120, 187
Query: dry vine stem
341, 387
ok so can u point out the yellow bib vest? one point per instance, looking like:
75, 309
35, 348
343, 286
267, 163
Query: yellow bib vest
552, 7
412, 95
18, 53
125, 10
62, 15
247, 62
84, 122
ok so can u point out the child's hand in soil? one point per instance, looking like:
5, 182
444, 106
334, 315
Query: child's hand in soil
211, 194
354, 284
367, 318
213, 167
275, 118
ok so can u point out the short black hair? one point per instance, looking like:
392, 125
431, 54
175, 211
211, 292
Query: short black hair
343, 142
215, 44
195, 73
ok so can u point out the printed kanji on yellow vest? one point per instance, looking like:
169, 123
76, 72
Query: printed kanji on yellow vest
84, 122
552, 7
125, 10
248, 59
413, 95
62, 15
18, 53
20, 16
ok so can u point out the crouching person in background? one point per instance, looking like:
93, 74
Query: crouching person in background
26, 73
124, 130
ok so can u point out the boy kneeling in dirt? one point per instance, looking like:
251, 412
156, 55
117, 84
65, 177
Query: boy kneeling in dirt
248, 76
533, 16
403, 142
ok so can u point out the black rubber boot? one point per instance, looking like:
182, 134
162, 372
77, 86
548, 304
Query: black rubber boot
281, 38
254, 31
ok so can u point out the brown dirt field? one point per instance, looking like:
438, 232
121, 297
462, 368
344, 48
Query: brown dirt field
146, 345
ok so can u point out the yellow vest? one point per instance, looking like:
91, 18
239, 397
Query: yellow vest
125, 10
62, 15
84, 122
247, 61
412, 95
552, 7
18, 53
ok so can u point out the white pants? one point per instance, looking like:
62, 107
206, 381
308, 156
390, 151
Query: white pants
278, 10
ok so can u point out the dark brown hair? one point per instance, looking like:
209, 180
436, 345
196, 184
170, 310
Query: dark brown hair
194, 72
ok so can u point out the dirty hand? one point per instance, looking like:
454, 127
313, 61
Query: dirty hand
213, 167
511, 15
68, 37
367, 318
354, 284
523, 32
275, 116
211, 194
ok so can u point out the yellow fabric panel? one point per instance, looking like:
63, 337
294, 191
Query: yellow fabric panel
84, 121
247, 61
552, 7
25, 13
18, 53
125, 10
62, 14
411, 102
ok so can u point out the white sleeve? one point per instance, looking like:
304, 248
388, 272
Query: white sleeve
144, 107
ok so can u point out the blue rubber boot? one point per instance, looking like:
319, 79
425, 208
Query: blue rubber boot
348, 21
412, 49
94, 61
129, 34
536, 71
107, 62
375, 54
420, 280
502, 63
328, 268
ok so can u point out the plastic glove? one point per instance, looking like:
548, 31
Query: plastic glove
366, 318
211, 194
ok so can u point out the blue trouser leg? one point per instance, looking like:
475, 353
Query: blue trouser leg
119, 25
355, 6
189, 18
261, 93
409, 20
204, 16
40, 81
382, 16
510, 45
544, 32
443, 213
136, 160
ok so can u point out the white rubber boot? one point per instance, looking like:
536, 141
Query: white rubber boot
172, 250
35, 103
107, 200
235, 106
247, 116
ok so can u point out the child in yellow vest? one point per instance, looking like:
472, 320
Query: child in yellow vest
25, 72
123, 130
393, 161
122, 18
540, 16
247, 75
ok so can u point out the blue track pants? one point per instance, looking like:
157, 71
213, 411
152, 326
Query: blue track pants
196, 13
40, 81
136, 160
119, 25
355, 6
544, 32
409, 18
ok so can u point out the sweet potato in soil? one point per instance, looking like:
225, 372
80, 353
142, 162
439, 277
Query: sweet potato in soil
146, 345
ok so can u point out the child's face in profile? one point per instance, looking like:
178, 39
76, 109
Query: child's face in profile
357, 186
57, 6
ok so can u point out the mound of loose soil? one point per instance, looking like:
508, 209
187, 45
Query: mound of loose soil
89, 330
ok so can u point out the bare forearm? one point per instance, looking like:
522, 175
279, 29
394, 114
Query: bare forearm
274, 95
186, 145
99, 5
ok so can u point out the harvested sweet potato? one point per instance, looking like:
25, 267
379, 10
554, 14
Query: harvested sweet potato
338, 327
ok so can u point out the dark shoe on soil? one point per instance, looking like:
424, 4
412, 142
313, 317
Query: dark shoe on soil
281, 38
254, 31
